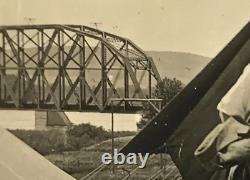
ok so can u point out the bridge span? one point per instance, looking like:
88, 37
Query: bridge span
71, 67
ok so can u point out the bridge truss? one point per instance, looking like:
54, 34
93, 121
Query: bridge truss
71, 67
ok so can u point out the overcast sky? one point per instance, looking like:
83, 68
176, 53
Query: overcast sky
196, 26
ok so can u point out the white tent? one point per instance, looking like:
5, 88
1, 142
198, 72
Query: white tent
18, 161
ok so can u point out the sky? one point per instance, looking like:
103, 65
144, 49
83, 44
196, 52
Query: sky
201, 27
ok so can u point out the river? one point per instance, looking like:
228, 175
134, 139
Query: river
26, 120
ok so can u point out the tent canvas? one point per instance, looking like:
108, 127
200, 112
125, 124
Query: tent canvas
189, 117
18, 161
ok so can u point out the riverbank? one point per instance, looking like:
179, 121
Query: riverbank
78, 150
80, 163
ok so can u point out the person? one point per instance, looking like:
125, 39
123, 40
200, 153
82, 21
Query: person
226, 149
236, 104
237, 100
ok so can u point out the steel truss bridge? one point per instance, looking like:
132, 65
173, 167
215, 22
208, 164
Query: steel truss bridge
71, 67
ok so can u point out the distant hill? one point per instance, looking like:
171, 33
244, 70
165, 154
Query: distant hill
179, 65
183, 66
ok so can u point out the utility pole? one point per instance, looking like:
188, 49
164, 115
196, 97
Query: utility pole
95, 24
29, 20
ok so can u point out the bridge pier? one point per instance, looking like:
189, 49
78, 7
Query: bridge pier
45, 120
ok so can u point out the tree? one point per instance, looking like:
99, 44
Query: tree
166, 90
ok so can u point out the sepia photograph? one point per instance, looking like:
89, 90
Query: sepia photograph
124, 90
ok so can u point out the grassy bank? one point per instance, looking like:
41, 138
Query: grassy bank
61, 140
77, 150
80, 163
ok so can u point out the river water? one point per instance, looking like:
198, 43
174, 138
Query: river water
26, 120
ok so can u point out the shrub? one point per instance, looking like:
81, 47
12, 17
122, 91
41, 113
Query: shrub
45, 142
58, 140
85, 135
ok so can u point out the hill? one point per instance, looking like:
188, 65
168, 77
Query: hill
183, 66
